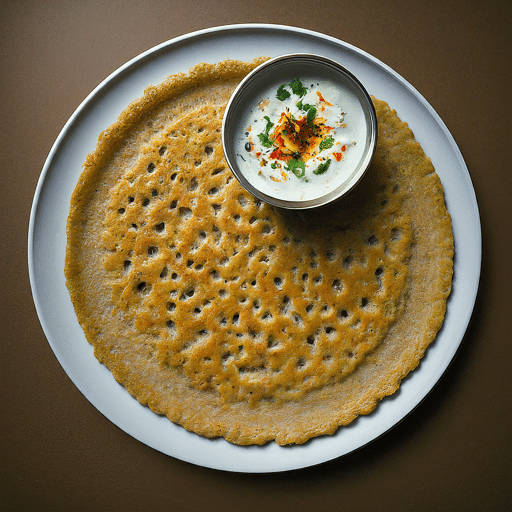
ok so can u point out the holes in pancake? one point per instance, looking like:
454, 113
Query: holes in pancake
337, 286
121, 211
208, 150
193, 184
396, 234
372, 240
271, 342
171, 306
145, 201
242, 200
187, 294
185, 213
343, 314
162, 150
143, 288
218, 171
151, 168
154, 192
126, 265
171, 325
226, 261
278, 283
152, 251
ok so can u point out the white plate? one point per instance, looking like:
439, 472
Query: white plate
47, 242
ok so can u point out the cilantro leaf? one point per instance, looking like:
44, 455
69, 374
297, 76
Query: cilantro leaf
269, 124
298, 167
298, 88
322, 167
265, 140
326, 143
310, 117
282, 93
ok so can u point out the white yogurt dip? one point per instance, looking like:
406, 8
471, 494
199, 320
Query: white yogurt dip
302, 139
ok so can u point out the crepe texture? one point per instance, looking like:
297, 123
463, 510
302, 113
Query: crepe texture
232, 317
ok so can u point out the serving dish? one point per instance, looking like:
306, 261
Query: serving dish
358, 118
47, 242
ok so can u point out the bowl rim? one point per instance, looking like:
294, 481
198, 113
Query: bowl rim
346, 186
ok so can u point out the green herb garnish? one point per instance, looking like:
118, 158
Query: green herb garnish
265, 140
310, 117
264, 136
326, 143
282, 93
322, 167
298, 167
298, 88
269, 124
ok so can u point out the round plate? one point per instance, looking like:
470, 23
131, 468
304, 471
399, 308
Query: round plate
47, 243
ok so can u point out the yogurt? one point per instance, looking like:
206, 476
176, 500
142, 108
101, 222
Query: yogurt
302, 139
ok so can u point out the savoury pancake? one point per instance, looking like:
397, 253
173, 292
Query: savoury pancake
232, 317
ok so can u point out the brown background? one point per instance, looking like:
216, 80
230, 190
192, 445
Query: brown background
452, 453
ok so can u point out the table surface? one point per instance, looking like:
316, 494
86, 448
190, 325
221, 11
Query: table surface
451, 453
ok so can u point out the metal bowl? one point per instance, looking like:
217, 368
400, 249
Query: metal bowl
241, 110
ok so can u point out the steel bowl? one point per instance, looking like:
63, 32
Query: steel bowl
273, 73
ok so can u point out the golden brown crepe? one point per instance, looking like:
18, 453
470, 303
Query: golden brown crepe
232, 317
